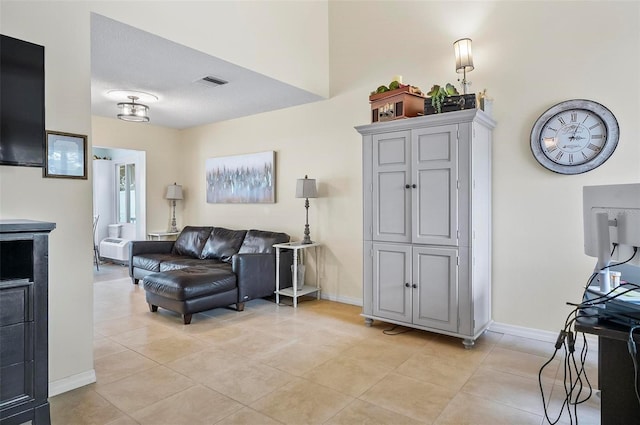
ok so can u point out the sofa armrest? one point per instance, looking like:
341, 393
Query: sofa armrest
256, 274
147, 247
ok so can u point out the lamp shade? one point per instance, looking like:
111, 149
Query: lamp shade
306, 188
464, 58
174, 192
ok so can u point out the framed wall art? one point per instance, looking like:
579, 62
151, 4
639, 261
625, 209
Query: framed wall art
65, 155
241, 179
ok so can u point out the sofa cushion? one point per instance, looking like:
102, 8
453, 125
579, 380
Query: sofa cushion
216, 264
176, 263
152, 262
223, 244
191, 241
189, 283
261, 242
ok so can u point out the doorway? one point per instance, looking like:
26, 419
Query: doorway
119, 193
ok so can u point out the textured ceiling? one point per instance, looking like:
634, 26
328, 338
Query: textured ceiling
123, 57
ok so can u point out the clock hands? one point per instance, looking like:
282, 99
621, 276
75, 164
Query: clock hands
564, 138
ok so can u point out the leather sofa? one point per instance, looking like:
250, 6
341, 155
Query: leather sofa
208, 267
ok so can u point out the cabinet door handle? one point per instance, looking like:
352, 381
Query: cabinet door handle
406, 186
414, 285
414, 185
407, 284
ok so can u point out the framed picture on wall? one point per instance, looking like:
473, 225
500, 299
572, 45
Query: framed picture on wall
241, 179
65, 155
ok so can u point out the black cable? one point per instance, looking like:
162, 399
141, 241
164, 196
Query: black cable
603, 299
633, 353
391, 330
594, 274
580, 374
635, 251
568, 387
572, 321
574, 386
561, 342
583, 361
544, 404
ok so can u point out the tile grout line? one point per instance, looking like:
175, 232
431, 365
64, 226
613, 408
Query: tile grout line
356, 338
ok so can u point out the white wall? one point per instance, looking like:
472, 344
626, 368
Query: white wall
527, 61
24, 193
103, 187
263, 36
313, 139
161, 147
527, 58
138, 229
286, 40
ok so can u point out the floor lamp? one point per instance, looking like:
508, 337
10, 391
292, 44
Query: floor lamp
306, 188
174, 193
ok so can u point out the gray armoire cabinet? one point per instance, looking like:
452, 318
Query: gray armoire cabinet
427, 222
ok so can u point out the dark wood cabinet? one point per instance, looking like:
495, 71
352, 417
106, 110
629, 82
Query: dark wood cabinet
616, 371
24, 371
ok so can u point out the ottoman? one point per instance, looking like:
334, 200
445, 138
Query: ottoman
191, 290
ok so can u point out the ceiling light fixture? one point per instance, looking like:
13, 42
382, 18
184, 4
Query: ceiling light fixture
121, 94
132, 111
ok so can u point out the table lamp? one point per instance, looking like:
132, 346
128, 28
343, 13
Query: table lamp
174, 193
306, 188
464, 61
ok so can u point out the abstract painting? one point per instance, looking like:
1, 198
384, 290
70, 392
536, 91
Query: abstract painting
241, 179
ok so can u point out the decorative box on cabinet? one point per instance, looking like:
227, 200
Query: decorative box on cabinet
427, 223
24, 371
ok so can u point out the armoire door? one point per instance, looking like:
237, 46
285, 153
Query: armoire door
435, 174
435, 297
391, 196
392, 281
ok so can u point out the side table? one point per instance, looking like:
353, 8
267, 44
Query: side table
162, 236
294, 292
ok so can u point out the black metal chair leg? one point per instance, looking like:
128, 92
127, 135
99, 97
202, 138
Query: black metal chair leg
97, 257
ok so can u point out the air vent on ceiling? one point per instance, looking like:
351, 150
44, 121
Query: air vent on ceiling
211, 81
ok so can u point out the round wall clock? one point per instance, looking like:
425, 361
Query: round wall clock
574, 136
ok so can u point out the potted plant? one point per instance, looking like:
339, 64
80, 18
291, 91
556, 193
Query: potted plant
438, 94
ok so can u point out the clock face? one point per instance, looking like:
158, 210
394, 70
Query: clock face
574, 136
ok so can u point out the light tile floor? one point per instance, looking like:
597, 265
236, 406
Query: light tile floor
318, 364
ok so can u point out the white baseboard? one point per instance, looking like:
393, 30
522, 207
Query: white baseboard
504, 328
531, 333
340, 299
72, 382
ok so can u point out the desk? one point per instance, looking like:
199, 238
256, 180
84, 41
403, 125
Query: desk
294, 292
162, 236
619, 405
